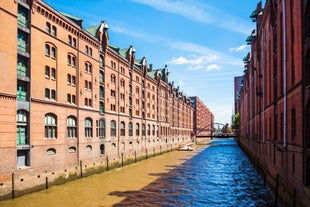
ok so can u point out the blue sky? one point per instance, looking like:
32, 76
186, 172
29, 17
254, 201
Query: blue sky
201, 41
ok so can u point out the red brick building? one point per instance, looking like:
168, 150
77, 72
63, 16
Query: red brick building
203, 118
274, 112
71, 102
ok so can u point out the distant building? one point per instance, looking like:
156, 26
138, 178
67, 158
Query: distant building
203, 118
237, 87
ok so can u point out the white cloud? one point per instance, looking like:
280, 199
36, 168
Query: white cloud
239, 49
200, 12
213, 67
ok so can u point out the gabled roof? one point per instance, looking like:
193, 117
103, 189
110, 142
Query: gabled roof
77, 20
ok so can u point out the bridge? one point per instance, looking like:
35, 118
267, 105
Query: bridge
210, 128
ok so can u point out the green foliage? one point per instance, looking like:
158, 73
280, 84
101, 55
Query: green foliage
236, 122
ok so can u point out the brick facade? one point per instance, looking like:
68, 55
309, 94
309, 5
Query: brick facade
273, 122
71, 101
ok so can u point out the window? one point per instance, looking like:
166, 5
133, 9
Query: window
90, 52
69, 40
53, 54
101, 62
50, 126
47, 93
88, 85
22, 128
22, 66
102, 149
112, 93
50, 151
71, 127
122, 126
71, 60
137, 129
22, 91
148, 130
122, 83
130, 132
122, 109
143, 129
153, 131
88, 102
101, 128
68, 79
69, 98
47, 50
88, 128
74, 42
101, 77
113, 79
113, 128
89, 148
86, 49
101, 107
22, 42
113, 108
53, 95
53, 73
54, 31
48, 27
71, 149
101, 92
88, 68
73, 80
122, 96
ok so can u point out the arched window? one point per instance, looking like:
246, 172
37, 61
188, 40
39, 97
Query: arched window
89, 148
137, 129
22, 128
72, 150
88, 127
51, 151
122, 126
113, 128
130, 131
50, 126
71, 127
101, 128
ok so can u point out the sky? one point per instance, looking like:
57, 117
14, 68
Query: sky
202, 42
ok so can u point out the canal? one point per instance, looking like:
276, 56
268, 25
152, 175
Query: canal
217, 174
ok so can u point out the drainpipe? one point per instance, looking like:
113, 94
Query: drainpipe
284, 74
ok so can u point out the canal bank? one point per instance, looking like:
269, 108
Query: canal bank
97, 189
214, 174
277, 181
24, 181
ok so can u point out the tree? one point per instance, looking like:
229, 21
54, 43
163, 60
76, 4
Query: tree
236, 123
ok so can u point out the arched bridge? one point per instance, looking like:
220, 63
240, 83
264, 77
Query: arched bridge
211, 132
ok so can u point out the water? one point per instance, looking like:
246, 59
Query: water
218, 175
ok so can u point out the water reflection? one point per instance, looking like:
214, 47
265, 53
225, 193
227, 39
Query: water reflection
220, 175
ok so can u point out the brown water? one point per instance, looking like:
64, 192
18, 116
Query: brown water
108, 188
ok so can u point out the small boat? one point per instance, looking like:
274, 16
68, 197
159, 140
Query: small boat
186, 148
